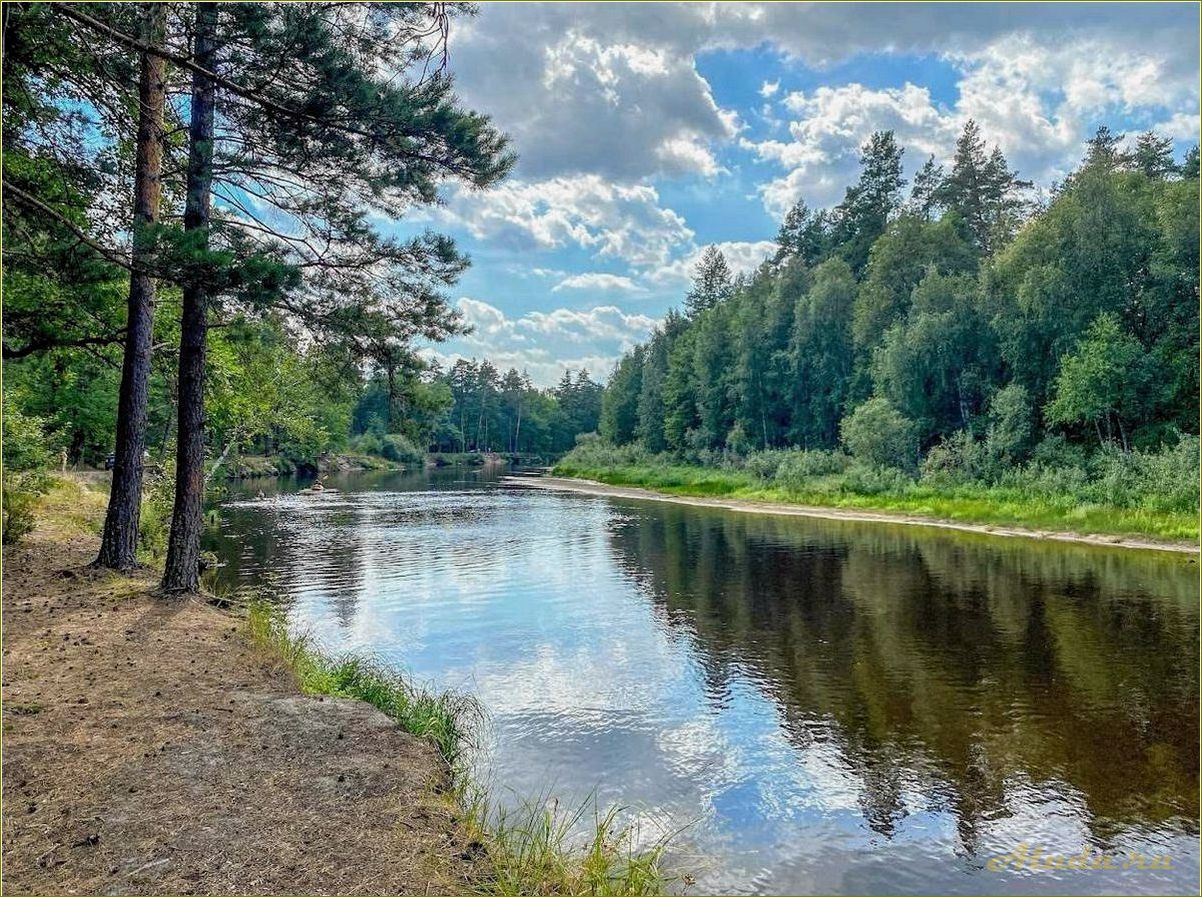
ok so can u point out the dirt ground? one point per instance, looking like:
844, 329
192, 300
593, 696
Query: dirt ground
148, 748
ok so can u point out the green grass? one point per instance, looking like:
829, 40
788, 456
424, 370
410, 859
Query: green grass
540, 848
996, 505
445, 719
537, 849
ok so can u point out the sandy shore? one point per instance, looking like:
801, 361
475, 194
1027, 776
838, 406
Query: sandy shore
590, 487
150, 748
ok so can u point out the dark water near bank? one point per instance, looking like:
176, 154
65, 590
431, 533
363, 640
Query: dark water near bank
836, 707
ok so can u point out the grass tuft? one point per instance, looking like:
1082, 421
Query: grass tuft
543, 849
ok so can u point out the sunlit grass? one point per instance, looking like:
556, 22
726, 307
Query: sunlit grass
981, 504
542, 848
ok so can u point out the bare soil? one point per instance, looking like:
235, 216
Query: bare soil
149, 748
591, 487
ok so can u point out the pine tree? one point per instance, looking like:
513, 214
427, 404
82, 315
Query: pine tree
982, 191
1189, 167
925, 192
712, 282
1104, 151
181, 573
804, 235
1154, 156
118, 545
871, 202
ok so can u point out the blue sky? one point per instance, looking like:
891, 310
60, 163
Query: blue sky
647, 131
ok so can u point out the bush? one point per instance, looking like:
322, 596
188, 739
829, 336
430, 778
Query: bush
19, 520
590, 454
863, 479
398, 448
959, 459
764, 465
1164, 480
879, 434
1009, 435
154, 518
26, 444
797, 468
1056, 451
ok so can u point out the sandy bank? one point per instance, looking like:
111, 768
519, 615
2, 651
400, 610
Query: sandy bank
150, 748
590, 487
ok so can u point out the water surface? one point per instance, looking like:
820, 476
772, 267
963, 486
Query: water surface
831, 707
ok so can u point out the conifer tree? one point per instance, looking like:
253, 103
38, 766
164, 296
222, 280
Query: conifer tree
712, 282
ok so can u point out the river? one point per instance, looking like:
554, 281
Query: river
822, 706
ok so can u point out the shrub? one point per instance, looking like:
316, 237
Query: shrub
796, 468
879, 434
1164, 480
1056, 451
959, 459
864, 479
1009, 435
19, 520
26, 444
367, 443
154, 519
764, 465
398, 448
591, 454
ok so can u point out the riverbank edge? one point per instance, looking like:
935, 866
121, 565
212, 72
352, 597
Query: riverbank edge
256, 784
479, 848
788, 509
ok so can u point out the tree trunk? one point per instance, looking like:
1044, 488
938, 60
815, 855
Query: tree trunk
118, 545
390, 366
182, 572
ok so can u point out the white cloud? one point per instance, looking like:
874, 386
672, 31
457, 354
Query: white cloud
1038, 99
1180, 126
545, 344
594, 280
742, 257
580, 95
617, 221
831, 124
613, 89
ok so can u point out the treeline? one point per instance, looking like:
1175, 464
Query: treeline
962, 325
190, 250
472, 407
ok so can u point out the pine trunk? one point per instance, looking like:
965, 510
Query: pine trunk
118, 546
182, 572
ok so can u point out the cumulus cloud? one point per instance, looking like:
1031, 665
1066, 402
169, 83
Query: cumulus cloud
545, 344
611, 88
830, 125
593, 280
742, 257
769, 88
581, 91
612, 220
1038, 99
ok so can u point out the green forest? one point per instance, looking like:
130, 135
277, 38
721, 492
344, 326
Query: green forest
961, 348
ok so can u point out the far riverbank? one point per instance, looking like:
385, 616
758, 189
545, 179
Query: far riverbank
766, 503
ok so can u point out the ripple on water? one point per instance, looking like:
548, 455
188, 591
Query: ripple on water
821, 706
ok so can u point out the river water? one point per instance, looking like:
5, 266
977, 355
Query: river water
822, 706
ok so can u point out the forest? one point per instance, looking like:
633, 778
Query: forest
247, 300
905, 345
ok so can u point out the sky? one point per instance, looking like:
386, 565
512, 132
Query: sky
647, 131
